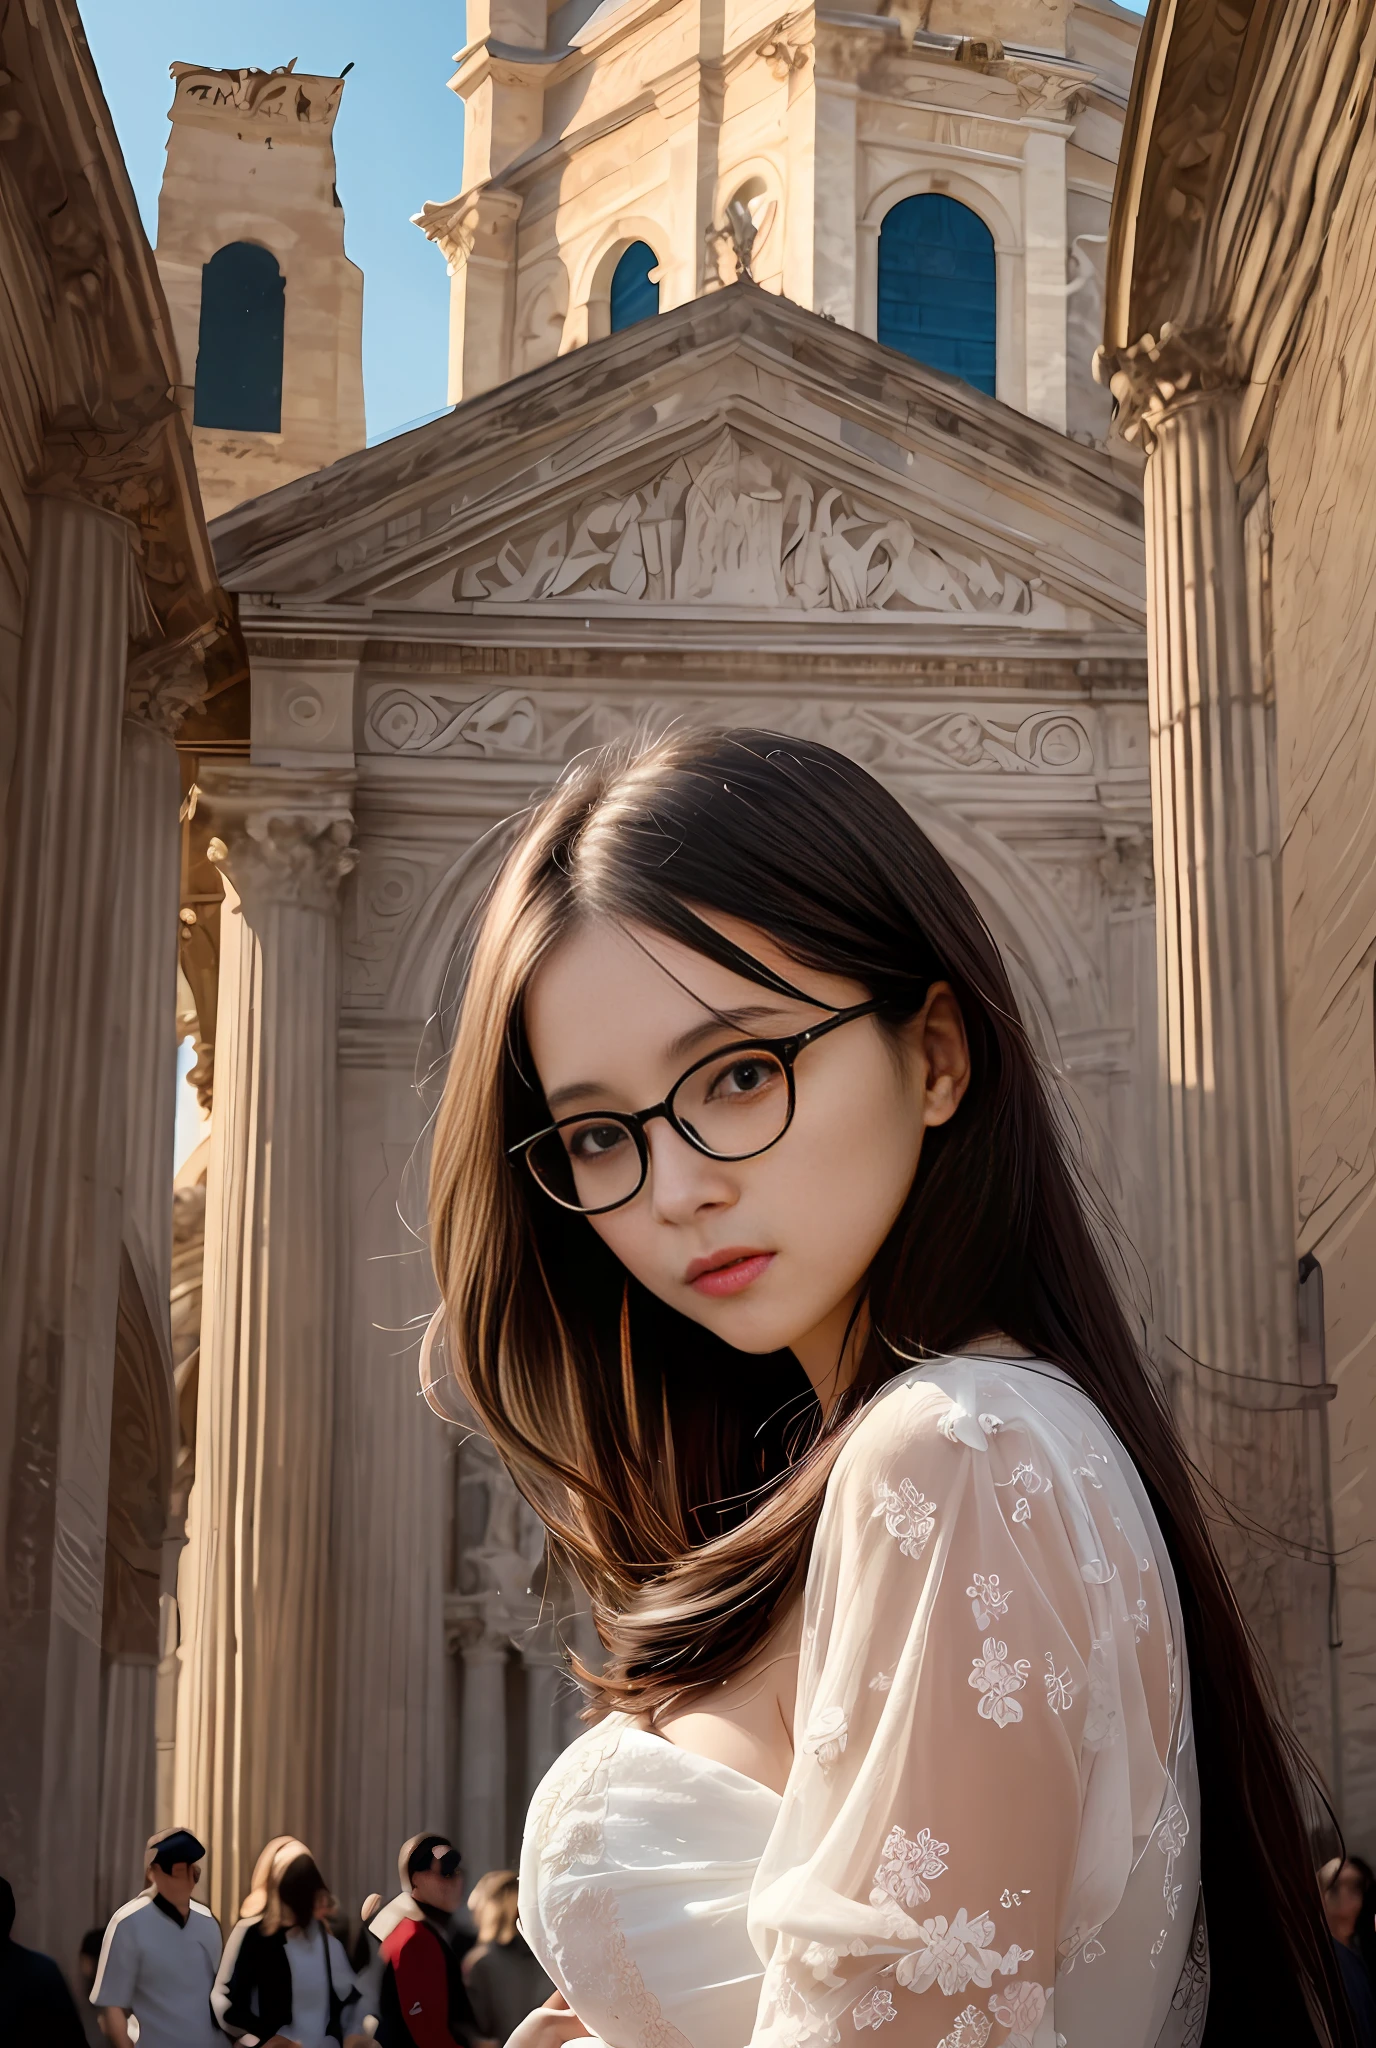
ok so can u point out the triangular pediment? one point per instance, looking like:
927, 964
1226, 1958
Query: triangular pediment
736, 458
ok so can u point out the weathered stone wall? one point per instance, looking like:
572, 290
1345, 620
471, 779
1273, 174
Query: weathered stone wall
1322, 457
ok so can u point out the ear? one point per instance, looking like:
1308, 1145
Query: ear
941, 1052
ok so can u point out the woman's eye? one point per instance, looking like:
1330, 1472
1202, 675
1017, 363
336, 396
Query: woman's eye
743, 1077
591, 1142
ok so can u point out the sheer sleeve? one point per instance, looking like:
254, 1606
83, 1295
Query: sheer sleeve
985, 1699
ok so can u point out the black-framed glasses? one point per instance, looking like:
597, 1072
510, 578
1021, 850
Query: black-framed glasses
732, 1104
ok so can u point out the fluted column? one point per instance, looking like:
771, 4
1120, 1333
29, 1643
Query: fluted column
254, 1702
545, 1680
1229, 1309
150, 803
60, 1137
482, 1784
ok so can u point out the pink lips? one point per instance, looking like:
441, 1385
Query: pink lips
728, 1272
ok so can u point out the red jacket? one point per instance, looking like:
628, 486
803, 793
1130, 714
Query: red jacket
423, 1988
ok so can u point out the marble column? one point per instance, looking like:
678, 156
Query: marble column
1229, 1307
60, 1138
482, 1784
140, 1709
254, 1704
128, 1793
545, 1683
150, 803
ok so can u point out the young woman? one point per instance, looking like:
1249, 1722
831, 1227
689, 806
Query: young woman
504, 1980
925, 1701
284, 1979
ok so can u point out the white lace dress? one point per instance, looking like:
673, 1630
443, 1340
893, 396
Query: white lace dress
989, 1833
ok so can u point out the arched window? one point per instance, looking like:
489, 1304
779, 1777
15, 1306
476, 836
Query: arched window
937, 292
633, 296
239, 355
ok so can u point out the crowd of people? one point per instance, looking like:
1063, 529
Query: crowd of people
415, 1972
419, 1971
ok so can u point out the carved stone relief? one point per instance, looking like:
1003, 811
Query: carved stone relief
735, 525
431, 719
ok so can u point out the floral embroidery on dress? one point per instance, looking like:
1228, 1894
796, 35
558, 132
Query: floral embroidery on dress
994, 1676
987, 1603
881, 1681
1171, 1838
971, 2030
1191, 1994
586, 1925
826, 1737
908, 1515
1059, 1690
874, 2010
1141, 1621
1022, 1511
1019, 2006
573, 1809
906, 1863
822, 1961
791, 2021
1009, 1899
1028, 1478
956, 1954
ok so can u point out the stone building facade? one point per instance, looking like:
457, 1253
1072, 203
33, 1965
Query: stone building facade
592, 127
736, 511
1238, 348
112, 628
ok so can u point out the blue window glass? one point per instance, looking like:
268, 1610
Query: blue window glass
633, 296
937, 292
239, 355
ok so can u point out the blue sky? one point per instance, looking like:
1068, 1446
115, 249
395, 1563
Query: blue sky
398, 140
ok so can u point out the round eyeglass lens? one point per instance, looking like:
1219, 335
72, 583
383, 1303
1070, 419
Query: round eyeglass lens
592, 1163
737, 1105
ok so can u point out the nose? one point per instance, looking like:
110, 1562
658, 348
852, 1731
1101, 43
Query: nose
684, 1181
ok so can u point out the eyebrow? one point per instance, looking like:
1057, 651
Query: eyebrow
687, 1041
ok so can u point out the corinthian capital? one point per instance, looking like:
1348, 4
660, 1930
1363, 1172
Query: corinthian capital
1151, 377
166, 683
281, 836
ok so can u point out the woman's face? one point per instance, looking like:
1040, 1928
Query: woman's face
770, 1253
1343, 1902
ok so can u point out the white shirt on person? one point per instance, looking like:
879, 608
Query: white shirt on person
161, 1970
310, 2003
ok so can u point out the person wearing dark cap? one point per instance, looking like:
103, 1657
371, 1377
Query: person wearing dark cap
423, 2002
35, 2005
160, 1955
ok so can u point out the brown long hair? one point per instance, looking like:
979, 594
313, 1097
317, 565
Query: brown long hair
493, 1902
681, 1484
294, 1885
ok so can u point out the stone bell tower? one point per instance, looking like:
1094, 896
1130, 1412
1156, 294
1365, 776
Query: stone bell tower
267, 308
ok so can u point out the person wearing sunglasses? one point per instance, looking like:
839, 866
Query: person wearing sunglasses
423, 2002
767, 1266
